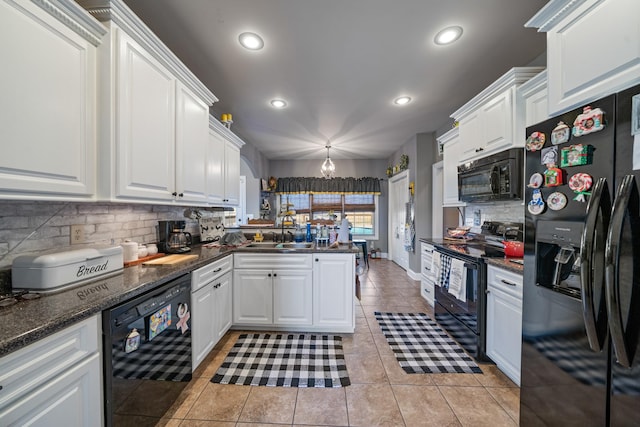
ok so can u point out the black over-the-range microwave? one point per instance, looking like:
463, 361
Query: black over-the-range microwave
491, 178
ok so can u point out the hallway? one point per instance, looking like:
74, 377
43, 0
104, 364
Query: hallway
381, 393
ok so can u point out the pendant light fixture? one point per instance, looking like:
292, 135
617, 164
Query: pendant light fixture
328, 167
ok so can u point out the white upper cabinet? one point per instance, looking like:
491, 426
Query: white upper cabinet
153, 116
48, 101
534, 93
223, 165
493, 120
593, 49
192, 139
450, 142
145, 132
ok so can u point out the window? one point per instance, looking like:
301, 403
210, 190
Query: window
360, 209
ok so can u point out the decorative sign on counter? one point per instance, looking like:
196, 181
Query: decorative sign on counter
211, 229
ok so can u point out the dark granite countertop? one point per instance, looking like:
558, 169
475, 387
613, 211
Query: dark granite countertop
28, 321
501, 262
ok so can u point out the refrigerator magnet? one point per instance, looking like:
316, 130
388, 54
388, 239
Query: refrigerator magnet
589, 121
575, 155
581, 183
536, 204
560, 134
184, 316
132, 341
535, 180
552, 176
549, 156
535, 141
557, 201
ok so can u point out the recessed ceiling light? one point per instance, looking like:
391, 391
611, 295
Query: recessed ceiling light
448, 35
278, 103
251, 41
402, 100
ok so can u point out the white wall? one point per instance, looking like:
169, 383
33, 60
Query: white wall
252, 190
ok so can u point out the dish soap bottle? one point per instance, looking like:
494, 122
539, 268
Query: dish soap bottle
309, 237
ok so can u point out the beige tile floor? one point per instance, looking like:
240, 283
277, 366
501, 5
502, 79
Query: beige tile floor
381, 393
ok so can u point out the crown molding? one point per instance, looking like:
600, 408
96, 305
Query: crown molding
117, 12
74, 17
225, 132
552, 13
539, 81
514, 77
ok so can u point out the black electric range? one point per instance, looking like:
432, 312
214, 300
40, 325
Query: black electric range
460, 305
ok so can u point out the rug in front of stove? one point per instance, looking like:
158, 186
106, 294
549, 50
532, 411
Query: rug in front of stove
422, 347
285, 360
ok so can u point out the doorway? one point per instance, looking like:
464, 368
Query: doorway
398, 197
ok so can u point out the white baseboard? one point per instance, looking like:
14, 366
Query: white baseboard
413, 275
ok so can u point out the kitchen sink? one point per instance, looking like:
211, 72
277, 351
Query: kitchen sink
275, 245
262, 245
300, 245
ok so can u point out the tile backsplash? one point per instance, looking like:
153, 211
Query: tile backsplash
497, 211
31, 227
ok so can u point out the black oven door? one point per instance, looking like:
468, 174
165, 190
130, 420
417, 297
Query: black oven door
461, 310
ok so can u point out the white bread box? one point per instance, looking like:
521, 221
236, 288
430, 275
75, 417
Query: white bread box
55, 271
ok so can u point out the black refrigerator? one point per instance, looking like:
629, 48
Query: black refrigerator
581, 299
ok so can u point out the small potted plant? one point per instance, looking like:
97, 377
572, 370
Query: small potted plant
404, 162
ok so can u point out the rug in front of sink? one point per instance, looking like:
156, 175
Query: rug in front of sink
285, 360
422, 347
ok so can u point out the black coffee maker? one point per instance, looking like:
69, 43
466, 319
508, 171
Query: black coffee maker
172, 237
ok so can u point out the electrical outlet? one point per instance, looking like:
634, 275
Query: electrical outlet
77, 234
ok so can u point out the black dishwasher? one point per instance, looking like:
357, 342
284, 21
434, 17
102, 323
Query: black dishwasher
147, 354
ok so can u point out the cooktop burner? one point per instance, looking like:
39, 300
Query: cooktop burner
15, 297
487, 243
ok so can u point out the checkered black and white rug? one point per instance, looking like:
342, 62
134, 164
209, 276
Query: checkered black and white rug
422, 347
285, 360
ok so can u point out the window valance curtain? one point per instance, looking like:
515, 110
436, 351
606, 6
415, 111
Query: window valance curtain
297, 185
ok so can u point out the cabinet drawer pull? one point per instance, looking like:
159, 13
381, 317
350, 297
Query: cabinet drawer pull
217, 269
479, 149
506, 282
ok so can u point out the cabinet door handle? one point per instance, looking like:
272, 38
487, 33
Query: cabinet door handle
181, 195
317, 260
275, 274
174, 194
506, 282
269, 275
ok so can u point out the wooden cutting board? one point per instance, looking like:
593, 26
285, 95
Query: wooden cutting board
170, 260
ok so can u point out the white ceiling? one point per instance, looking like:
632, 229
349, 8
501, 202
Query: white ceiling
340, 63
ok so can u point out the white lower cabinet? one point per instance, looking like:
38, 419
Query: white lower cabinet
203, 324
504, 320
427, 277
272, 297
292, 297
289, 291
55, 381
333, 292
211, 306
